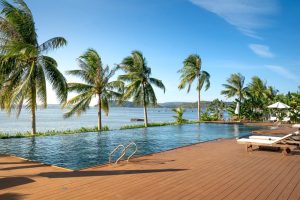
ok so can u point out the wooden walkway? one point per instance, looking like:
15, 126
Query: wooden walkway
213, 170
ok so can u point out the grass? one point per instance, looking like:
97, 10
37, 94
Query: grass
85, 130
149, 125
51, 133
155, 124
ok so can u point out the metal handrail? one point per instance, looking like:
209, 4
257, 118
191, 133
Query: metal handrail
132, 143
125, 151
119, 146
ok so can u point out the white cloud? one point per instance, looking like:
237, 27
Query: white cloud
261, 50
284, 72
246, 15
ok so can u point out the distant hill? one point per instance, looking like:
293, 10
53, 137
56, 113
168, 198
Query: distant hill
130, 104
162, 105
183, 104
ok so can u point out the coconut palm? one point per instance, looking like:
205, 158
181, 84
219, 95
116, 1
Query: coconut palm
235, 87
271, 93
179, 115
97, 83
23, 62
191, 71
257, 87
138, 76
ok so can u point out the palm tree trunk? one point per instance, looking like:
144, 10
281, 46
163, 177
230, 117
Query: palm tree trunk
240, 99
199, 107
33, 122
145, 108
99, 113
33, 108
145, 116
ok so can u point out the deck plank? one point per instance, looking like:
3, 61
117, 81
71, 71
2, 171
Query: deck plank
213, 170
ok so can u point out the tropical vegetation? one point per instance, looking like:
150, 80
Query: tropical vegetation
24, 65
216, 108
235, 88
96, 83
191, 71
256, 97
179, 115
138, 76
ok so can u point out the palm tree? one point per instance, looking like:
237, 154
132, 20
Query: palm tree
97, 83
191, 71
257, 87
24, 64
271, 93
138, 76
235, 87
179, 115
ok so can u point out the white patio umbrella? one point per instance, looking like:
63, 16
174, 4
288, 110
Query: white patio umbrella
279, 105
237, 108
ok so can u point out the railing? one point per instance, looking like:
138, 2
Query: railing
125, 149
111, 154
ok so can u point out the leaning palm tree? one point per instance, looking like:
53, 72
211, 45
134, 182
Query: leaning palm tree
24, 64
191, 71
235, 87
139, 86
97, 83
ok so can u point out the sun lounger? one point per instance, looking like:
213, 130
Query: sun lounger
286, 142
286, 119
261, 137
273, 119
294, 139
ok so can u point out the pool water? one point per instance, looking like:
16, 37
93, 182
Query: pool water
89, 149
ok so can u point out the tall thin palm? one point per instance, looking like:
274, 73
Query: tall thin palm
138, 76
23, 62
97, 83
191, 71
235, 87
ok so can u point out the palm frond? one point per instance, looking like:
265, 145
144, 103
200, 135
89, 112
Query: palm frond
53, 44
55, 77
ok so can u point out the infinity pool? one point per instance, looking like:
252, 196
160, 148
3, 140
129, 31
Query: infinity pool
88, 149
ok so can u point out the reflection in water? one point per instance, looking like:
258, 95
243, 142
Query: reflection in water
32, 146
236, 130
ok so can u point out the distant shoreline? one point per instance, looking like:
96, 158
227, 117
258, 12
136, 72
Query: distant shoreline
129, 104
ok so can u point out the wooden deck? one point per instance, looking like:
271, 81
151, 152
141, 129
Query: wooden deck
212, 170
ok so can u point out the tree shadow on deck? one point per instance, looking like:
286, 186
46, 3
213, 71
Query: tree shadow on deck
103, 173
14, 181
23, 167
11, 196
13, 163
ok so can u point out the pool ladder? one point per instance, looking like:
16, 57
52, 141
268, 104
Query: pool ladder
123, 153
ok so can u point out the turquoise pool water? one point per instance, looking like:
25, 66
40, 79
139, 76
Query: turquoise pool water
88, 149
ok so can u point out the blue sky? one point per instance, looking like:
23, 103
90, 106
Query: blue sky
257, 37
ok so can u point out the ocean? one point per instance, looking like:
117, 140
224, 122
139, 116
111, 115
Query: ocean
52, 118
